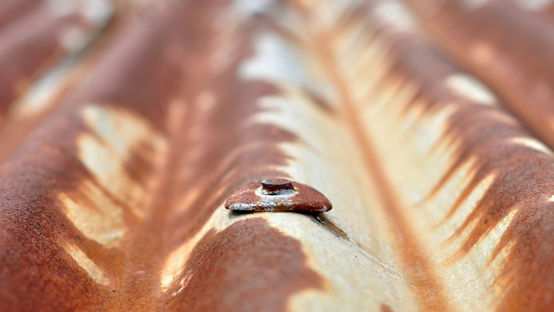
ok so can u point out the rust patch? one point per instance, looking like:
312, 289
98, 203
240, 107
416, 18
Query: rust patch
320, 101
386, 308
214, 149
230, 152
507, 46
13, 10
249, 266
31, 46
523, 175
32, 222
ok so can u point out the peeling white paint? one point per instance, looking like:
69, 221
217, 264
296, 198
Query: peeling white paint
93, 270
392, 12
468, 87
245, 9
73, 38
278, 61
533, 5
532, 143
97, 217
474, 4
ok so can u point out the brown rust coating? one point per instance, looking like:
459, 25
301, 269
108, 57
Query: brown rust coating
29, 47
160, 64
164, 70
13, 10
508, 47
249, 266
302, 198
386, 308
523, 176
32, 220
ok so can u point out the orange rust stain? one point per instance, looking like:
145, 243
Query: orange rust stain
386, 308
249, 266
419, 272
214, 151
518, 44
232, 151
523, 177
228, 152
13, 10
28, 50
47, 164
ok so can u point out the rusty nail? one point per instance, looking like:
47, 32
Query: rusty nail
274, 186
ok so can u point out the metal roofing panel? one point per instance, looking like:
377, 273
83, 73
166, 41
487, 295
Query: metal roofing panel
119, 161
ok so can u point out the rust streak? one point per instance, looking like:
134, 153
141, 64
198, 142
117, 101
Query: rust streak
418, 270
523, 176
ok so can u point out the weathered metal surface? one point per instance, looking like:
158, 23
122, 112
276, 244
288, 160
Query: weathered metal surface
467, 187
35, 40
11, 10
442, 201
509, 44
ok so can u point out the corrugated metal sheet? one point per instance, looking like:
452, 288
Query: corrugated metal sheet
128, 128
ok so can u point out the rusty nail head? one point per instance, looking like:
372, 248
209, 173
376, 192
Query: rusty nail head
277, 194
274, 186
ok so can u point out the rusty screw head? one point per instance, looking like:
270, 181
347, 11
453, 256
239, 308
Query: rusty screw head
277, 194
274, 186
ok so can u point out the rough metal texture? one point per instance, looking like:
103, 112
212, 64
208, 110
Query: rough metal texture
120, 150
509, 44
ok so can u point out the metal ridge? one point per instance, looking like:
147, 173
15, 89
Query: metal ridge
514, 56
